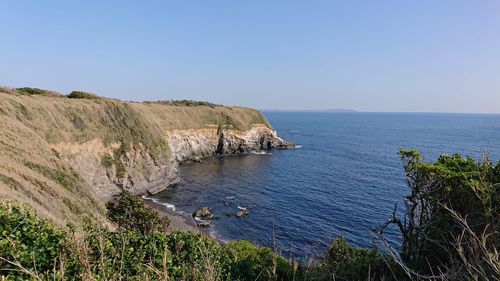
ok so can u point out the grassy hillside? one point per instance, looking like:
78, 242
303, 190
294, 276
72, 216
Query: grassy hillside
33, 122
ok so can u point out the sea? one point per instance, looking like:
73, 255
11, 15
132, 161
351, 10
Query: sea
343, 179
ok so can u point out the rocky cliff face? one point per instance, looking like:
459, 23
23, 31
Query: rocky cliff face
140, 172
65, 157
195, 144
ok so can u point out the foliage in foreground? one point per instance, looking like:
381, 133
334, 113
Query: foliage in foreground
129, 212
451, 225
33, 247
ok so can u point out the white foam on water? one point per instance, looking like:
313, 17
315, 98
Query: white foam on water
229, 197
298, 146
241, 208
200, 219
213, 233
156, 201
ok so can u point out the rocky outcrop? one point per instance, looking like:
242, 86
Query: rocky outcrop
242, 213
204, 212
195, 144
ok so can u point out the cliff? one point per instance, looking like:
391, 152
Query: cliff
67, 156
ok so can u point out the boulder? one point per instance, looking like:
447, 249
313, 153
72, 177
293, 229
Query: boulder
242, 213
204, 212
203, 224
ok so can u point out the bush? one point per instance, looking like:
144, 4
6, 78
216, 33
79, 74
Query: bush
30, 246
34, 92
451, 222
82, 95
345, 262
130, 213
107, 161
35, 249
30, 91
252, 262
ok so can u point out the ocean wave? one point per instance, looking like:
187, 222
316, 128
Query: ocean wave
242, 208
156, 201
200, 219
298, 146
229, 197
215, 235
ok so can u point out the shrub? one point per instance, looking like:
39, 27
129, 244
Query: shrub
31, 246
120, 169
451, 222
30, 91
129, 212
34, 92
82, 95
252, 262
345, 262
107, 161
35, 249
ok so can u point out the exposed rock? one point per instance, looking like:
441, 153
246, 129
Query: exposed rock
143, 173
195, 144
204, 212
203, 224
243, 213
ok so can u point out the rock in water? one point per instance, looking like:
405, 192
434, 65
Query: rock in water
242, 213
203, 224
204, 212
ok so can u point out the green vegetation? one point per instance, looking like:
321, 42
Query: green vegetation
130, 128
10, 182
68, 180
82, 95
34, 248
348, 263
450, 232
30, 91
107, 161
129, 212
451, 226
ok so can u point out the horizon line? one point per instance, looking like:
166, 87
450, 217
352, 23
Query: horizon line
354, 111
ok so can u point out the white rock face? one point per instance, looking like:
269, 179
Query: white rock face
189, 145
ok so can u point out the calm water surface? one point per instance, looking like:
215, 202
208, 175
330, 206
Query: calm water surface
344, 180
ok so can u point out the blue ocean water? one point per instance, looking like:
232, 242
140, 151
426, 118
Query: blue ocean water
344, 180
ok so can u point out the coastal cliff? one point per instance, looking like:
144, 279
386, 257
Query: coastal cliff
67, 156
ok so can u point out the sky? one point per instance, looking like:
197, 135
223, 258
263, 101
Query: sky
396, 56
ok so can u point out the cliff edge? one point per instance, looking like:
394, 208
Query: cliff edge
67, 156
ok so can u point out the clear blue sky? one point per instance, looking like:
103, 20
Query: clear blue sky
436, 55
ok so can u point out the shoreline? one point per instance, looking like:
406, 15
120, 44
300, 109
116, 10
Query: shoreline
182, 222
